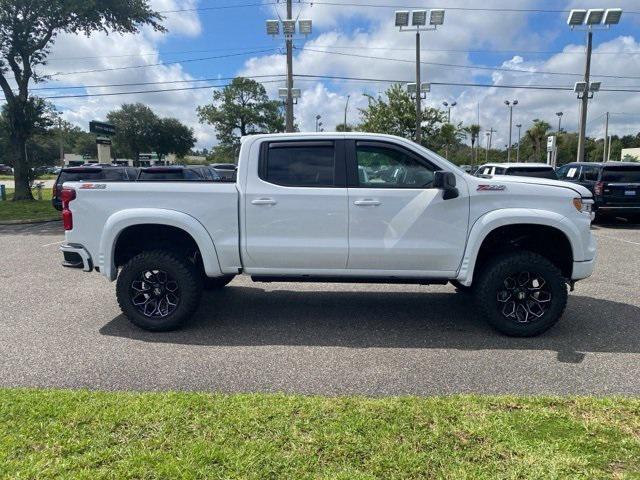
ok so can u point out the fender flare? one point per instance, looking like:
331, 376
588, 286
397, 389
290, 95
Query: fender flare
488, 222
122, 219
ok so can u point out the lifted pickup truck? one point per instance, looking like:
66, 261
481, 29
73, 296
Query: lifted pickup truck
336, 207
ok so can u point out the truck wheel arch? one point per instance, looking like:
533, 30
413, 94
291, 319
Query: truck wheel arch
520, 222
117, 223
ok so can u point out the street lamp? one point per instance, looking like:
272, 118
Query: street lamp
449, 106
519, 127
304, 27
559, 114
318, 122
589, 20
510, 105
419, 19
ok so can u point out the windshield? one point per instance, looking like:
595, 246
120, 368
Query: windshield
621, 174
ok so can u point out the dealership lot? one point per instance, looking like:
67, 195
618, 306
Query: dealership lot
63, 328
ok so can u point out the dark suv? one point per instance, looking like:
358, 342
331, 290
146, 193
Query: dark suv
90, 173
615, 185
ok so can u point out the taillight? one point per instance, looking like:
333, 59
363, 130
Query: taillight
599, 188
66, 196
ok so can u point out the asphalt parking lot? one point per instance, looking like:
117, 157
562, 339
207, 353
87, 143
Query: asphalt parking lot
63, 328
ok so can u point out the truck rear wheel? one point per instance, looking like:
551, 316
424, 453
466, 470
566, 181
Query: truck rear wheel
158, 291
521, 294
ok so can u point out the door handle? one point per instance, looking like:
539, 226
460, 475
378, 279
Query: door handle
263, 201
367, 202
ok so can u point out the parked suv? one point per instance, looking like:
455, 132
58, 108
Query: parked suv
536, 170
615, 185
90, 173
179, 173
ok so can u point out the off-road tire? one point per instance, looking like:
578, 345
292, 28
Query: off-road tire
215, 283
491, 285
189, 285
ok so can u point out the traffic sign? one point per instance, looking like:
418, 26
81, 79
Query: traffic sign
102, 128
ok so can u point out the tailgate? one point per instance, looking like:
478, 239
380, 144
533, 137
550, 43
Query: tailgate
621, 185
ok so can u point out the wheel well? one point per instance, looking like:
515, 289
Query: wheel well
547, 241
139, 238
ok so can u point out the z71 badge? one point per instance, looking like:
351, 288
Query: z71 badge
491, 188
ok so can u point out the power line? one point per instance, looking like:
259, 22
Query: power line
470, 67
146, 65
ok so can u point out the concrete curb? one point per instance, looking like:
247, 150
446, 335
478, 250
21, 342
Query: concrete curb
28, 221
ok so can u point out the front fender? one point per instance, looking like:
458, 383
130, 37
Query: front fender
117, 222
514, 216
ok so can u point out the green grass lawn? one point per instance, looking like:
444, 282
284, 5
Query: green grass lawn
48, 176
36, 210
80, 434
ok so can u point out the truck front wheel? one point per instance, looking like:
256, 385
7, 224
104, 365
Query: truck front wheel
158, 291
521, 294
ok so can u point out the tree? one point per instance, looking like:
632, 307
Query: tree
474, 132
537, 135
397, 116
27, 31
172, 136
136, 125
341, 127
241, 108
450, 135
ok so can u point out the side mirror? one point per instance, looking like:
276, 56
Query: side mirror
446, 181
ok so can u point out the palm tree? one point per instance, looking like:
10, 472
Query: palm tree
537, 135
451, 135
474, 131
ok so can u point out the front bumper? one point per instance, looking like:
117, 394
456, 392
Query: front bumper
76, 256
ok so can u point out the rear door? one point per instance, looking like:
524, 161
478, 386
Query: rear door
296, 208
397, 221
621, 185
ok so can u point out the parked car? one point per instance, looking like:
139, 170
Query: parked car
302, 211
536, 170
178, 173
227, 171
90, 173
5, 169
614, 185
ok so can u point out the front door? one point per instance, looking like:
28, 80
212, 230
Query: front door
296, 209
398, 221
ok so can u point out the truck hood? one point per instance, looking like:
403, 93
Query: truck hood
507, 179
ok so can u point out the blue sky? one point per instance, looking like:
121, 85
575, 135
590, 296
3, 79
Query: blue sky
502, 39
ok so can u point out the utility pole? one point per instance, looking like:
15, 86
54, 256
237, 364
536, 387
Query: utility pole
61, 141
585, 100
519, 127
510, 105
559, 114
606, 138
418, 92
289, 44
489, 139
346, 107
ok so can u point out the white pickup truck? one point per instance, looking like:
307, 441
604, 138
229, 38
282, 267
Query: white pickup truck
335, 207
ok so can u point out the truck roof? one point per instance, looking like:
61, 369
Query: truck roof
517, 165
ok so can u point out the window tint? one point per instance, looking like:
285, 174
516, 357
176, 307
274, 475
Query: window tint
534, 172
499, 171
381, 167
301, 165
621, 174
107, 174
568, 172
590, 174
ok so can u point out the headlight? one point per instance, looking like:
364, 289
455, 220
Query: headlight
583, 205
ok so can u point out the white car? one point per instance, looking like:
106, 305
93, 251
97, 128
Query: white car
536, 170
303, 209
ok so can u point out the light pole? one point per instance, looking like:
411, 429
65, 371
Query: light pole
559, 114
318, 122
590, 20
289, 30
510, 105
346, 108
418, 23
489, 139
449, 106
519, 127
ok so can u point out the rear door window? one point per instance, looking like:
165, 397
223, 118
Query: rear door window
621, 174
300, 164
590, 173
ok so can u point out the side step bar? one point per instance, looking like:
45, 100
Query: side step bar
321, 279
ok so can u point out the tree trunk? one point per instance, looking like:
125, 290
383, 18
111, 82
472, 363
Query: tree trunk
21, 173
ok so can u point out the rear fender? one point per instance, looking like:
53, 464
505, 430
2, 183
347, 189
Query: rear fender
117, 222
